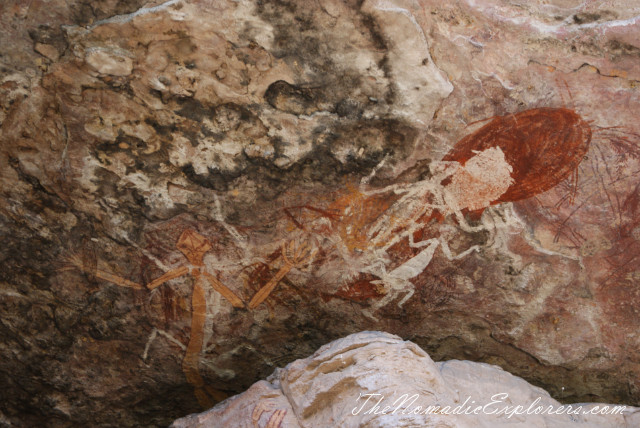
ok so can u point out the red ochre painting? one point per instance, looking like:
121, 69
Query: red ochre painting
195, 193
384, 232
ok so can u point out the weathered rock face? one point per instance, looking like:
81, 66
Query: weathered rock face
196, 192
374, 379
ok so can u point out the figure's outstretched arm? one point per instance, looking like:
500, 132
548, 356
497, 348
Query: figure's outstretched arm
292, 257
396, 188
172, 274
264, 292
75, 262
224, 290
115, 279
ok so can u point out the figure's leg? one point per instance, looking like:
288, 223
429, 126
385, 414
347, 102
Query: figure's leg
378, 268
191, 359
449, 255
293, 255
418, 263
406, 297
390, 294
264, 292
385, 227
420, 244
154, 334
466, 226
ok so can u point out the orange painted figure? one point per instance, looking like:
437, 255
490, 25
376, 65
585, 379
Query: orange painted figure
194, 247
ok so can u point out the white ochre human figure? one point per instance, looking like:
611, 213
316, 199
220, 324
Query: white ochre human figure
472, 186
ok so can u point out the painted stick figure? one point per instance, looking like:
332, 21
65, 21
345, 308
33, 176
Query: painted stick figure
194, 246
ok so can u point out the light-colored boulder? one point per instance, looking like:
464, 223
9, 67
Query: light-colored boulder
374, 379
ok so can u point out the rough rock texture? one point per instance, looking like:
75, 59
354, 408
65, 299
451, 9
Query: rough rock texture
463, 174
374, 379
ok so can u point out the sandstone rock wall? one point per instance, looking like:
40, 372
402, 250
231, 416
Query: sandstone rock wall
194, 192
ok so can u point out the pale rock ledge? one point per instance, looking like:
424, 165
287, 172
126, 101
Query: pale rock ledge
329, 389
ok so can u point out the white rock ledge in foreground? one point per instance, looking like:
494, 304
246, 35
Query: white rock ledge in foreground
335, 387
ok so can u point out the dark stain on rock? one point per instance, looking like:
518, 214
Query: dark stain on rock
349, 149
374, 31
349, 108
118, 84
138, 150
26, 262
48, 35
292, 99
303, 39
45, 198
587, 17
216, 180
194, 109
294, 30
618, 48
231, 116
86, 11
163, 130
130, 202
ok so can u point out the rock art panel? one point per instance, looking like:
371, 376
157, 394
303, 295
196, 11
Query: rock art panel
194, 246
195, 193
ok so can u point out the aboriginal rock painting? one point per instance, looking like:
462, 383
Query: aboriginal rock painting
383, 232
382, 237
274, 416
194, 247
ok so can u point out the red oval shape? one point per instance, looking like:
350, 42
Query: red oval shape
543, 146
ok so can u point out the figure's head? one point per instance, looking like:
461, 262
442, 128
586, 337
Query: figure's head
194, 246
484, 178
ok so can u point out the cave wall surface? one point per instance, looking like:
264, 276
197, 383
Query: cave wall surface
194, 193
